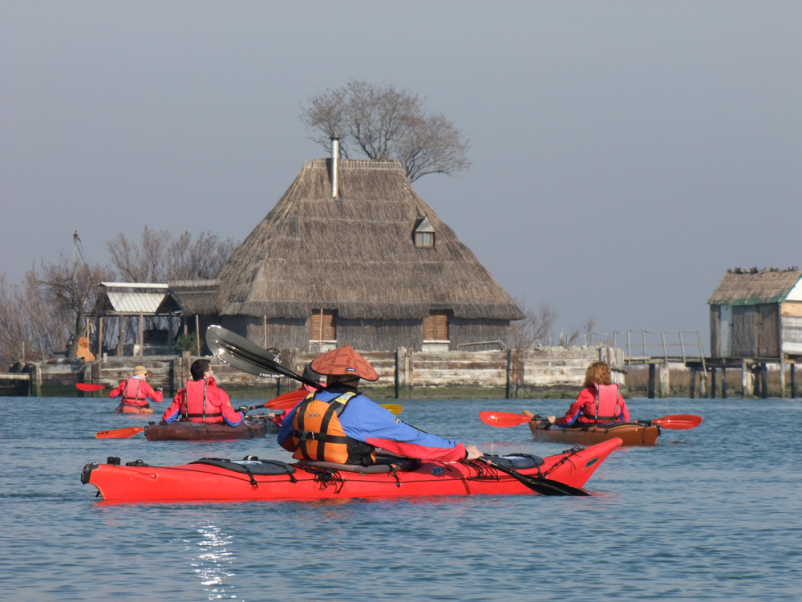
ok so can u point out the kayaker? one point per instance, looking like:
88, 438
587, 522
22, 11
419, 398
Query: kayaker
339, 424
599, 401
201, 400
136, 391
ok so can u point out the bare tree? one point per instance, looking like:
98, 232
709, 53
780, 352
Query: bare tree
534, 329
159, 258
590, 324
386, 123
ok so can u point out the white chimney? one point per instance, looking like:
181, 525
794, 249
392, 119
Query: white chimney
335, 158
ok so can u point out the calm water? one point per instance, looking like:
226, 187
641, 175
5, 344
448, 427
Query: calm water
709, 513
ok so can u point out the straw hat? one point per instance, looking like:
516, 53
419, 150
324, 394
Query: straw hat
140, 370
344, 361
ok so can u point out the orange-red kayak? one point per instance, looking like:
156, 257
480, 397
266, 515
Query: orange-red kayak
131, 409
630, 433
221, 480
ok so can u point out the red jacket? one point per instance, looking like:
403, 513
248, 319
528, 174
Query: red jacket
190, 404
583, 410
136, 392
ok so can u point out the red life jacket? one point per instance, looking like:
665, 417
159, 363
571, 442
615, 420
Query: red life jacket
196, 407
607, 404
132, 393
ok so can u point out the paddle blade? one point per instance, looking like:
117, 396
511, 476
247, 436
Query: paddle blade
89, 387
678, 421
287, 401
393, 408
120, 433
503, 419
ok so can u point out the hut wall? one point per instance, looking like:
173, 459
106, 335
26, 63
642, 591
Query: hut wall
791, 328
378, 335
768, 331
715, 331
744, 330
282, 333
463, 331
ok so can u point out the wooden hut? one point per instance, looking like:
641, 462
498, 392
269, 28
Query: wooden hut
199, 305
757, 314
352, 255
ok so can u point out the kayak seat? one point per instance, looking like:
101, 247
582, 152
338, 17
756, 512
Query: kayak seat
516, 461
250, 466
384, 463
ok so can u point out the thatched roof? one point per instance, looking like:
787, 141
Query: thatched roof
356, 254
196, 297
754, 287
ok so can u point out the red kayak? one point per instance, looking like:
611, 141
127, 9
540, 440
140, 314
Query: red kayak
181, 430
221, 480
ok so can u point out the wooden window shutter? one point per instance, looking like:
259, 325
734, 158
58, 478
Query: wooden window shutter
435, 326
323, 325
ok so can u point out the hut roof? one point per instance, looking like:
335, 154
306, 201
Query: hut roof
196, 297
357, 254
755, 287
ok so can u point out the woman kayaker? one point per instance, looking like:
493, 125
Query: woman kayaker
136, 391
201, 400
339, 424
599, 401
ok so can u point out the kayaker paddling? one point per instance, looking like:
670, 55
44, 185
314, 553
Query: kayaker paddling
599, 401
339, 424
136, 392
201, 400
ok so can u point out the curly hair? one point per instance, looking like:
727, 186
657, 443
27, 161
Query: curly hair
598, 373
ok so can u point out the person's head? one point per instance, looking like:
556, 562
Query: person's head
141, 371
200, 369
344, 366
598, 373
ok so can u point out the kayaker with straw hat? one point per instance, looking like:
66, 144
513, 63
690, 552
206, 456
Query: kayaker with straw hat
339, 424
136, 391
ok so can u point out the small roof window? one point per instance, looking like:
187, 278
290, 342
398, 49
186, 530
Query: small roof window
423, 233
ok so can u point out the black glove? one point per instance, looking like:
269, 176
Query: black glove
242, 409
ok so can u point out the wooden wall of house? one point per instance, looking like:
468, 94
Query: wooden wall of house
281, 333
462, 331
744, 330
791, 327
755, 331
379, 335
715, 331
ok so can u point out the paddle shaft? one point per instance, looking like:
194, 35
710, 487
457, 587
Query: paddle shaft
538, 485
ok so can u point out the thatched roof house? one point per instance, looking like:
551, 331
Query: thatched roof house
757, 314
359, 259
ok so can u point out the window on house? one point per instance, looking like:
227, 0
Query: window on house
424, 239
435, 326
423, 233
323, 325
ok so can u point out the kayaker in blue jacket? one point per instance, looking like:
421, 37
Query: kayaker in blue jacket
340, 424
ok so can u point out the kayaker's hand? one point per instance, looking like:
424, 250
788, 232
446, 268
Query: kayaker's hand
552, 419
473, 452
242, 409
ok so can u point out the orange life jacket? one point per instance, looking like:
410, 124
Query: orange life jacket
607, 406
131, 392
317, 433
195, 407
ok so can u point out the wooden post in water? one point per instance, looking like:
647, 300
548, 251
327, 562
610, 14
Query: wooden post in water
99, 337
664, 377
400, 353
723, 382
120, 335
712, 383
651, 381
782, 375
692, 391
792, 368
746, 380
764, 378
141, 334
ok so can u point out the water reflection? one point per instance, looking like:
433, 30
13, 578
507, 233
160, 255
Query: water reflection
214, 564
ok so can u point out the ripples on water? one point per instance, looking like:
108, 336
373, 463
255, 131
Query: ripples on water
709, 513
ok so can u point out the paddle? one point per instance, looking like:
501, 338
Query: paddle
678, 422
89, 387
503, 419
537, 484
120, 433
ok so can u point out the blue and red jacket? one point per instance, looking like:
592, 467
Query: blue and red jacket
370, 423
136, 392
612, 407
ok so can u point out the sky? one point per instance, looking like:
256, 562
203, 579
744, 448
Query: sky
624, 154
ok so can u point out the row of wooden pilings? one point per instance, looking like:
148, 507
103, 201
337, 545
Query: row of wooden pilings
754, 380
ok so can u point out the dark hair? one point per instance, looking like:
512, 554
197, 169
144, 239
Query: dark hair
199, 368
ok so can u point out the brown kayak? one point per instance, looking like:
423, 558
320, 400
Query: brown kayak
631, 433
209, 431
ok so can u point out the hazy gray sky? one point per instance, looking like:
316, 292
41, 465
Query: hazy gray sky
625, 154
